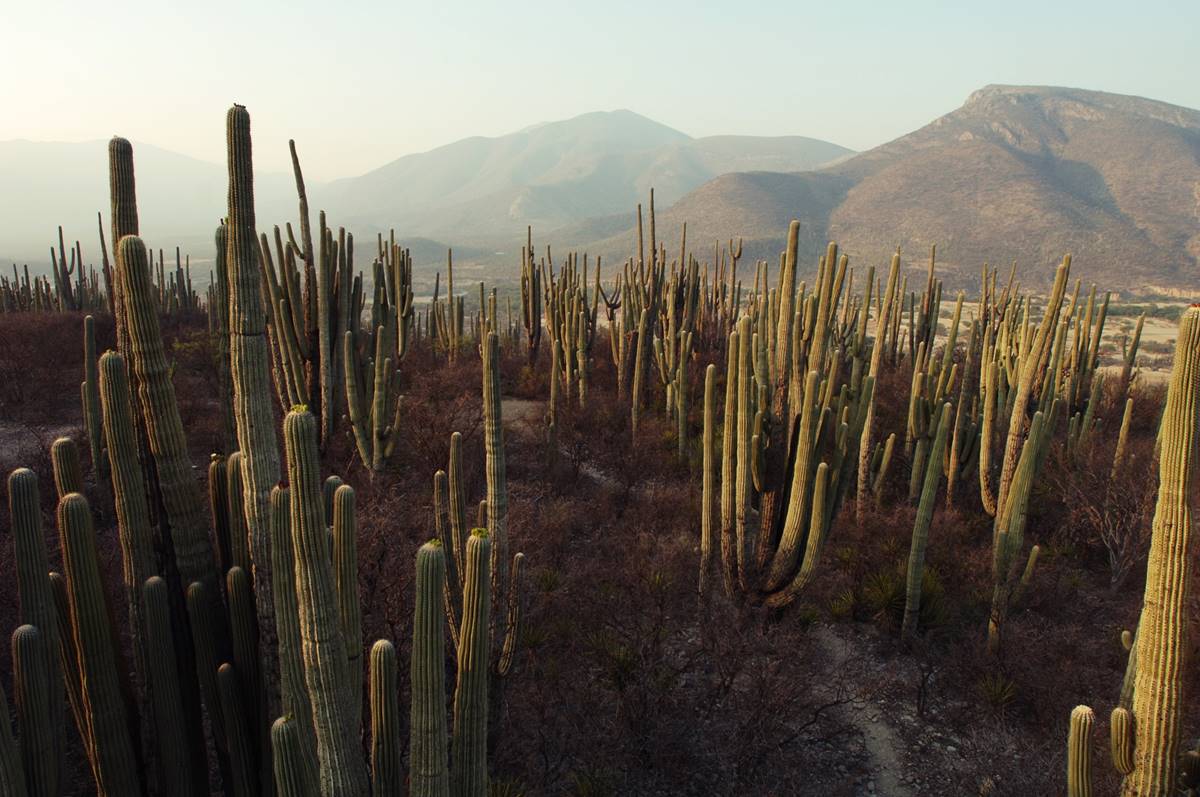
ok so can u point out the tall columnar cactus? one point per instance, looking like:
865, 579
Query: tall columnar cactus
1162, 638
345, 571
91, 397
289, 759
920, 535
427, 725
729, 464
469, 777
124, 219
68, 473
292, 687
181, 496
1079, 753
237, 733
342, 773
114, 762
387, 771
708, 465
169, 733
202, 611
35, 713
33, 586
132, 508
250, 366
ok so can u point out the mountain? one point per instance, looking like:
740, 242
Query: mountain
477, 194
1018, 173
556, 173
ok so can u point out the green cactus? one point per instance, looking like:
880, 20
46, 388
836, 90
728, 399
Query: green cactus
1120, 729
244, 628
35, 712
249, 363
468, 770
289, 759
134, 529
33, 587
729, 464
239, 535
342, 773
201, 616
91, 398
237, 733
124, 218
1079, 753
345, 569
920, 535
708, 466
427, 752
1162, 638
114, 763
387, 771
169, 732
168, 444
68, 473
292, 686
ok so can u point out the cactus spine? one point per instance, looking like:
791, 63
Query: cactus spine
1162, 631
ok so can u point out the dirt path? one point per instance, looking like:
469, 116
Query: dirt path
884, 745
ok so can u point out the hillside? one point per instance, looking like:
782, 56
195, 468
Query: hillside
1016, 173
474, 194
557, 173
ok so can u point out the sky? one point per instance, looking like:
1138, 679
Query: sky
358, 84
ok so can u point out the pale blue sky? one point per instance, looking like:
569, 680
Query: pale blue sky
360, 83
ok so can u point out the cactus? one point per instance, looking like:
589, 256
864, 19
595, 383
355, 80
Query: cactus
920, 535
729, 464
169, 733
1079, 753
134, 529
387, 775
427, 754
35, 712
1120, 729
168, 444
68, 474
124, 219
201, 614
468, 747
708, 466
1162, 631
292, 686
237, 733
289, 759
91, 397
345, 569
249, 363
33, 587
324, 651
114, 762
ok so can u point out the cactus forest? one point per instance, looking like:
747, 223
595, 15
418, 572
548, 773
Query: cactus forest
681, 524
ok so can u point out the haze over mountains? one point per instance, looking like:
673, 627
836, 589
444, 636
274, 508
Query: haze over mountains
1019, 174
477, 191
